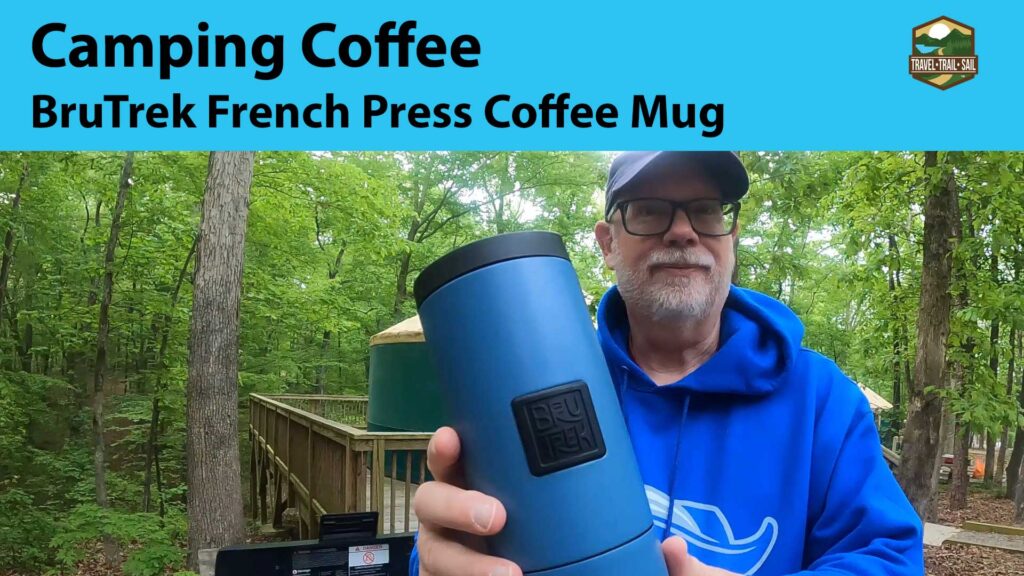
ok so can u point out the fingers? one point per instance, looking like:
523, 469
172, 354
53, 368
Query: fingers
676, 556
446, 506
449, 514
441, 556
443, 456
680, 563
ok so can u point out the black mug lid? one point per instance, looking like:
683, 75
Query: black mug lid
476, 255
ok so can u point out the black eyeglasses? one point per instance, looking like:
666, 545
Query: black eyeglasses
654, 216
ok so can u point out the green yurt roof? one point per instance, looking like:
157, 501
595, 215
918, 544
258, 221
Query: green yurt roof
408, 330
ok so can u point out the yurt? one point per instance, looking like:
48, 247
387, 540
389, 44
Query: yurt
403, 390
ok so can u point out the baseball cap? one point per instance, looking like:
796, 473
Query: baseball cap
724, 168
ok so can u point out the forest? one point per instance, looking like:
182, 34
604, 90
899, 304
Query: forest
905, 268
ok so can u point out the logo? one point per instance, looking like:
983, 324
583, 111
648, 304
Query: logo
709, 533
942, 53
558, 428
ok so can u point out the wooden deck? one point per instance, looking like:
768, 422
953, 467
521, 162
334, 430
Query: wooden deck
402, 502
301, 459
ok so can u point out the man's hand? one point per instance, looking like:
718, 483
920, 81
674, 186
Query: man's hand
680, 563
453, 519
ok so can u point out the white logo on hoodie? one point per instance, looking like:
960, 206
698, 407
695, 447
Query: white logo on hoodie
745, 555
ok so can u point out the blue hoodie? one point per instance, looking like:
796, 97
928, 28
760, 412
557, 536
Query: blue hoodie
766, 458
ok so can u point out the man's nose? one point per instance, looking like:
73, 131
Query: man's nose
681, 231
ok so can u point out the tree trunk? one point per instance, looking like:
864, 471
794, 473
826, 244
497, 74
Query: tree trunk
919, 465
1010, 372
76, 359
26, 348
990, 438
895, 343
899, 338
993, 365
960, 475
110, 548
152, 443
11, 362
1018, 498
957, 370
215, 512
1004, 438
1016, 465
321, 370
412, 236
95, 282
5, 266
401, 286
907, 376
1018, 505
325, 341
159, 480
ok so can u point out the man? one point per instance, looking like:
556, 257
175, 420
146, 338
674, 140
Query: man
759, 456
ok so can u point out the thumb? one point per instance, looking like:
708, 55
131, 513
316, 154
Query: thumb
680, 563
676, 556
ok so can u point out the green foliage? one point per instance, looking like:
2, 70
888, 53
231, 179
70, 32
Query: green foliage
153, 544
891, 424
334, 243
23, 532
39, 418
837, 236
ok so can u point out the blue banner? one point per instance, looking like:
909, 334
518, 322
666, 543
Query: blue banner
520, 75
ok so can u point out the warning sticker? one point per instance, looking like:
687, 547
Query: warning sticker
322, 562
368, 560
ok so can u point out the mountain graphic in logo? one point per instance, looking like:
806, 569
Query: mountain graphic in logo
705, 527
942, 53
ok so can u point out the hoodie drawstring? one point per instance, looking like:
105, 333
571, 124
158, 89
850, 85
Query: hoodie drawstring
675, 468
622, 385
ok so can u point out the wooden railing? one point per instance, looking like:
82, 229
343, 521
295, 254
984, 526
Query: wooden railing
349, 410
302, 458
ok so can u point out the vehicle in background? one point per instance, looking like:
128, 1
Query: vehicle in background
975, 469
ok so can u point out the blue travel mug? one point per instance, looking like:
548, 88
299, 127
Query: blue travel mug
524, 383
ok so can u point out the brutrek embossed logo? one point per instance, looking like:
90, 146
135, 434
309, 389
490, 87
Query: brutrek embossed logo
558, 428
942, 53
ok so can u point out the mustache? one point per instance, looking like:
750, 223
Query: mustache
680, 258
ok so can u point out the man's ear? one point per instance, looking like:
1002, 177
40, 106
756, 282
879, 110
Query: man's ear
603, 233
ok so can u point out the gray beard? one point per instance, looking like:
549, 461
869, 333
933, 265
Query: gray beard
668, 299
